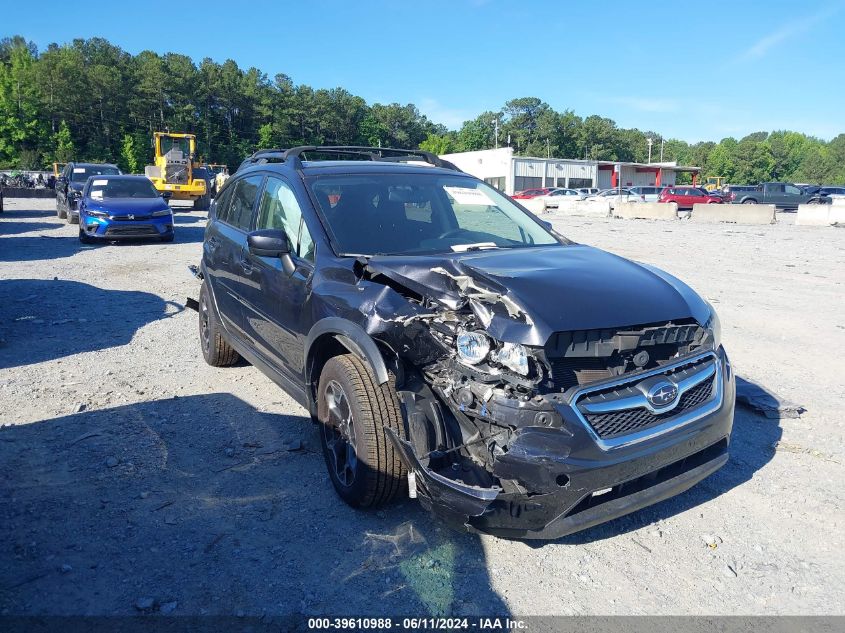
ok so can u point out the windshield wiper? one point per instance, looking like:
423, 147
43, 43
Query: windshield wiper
478, 246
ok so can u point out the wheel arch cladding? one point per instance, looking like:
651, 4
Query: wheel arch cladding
335, 334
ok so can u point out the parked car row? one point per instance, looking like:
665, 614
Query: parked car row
785, 196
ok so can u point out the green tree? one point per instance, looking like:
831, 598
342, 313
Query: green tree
129, 156
438, 144
64, 144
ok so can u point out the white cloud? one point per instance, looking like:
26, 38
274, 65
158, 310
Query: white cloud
452, 118
792, 29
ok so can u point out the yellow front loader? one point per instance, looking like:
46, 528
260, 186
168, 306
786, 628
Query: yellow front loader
714, 182
173, 171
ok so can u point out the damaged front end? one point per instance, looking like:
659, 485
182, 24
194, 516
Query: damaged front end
520, 428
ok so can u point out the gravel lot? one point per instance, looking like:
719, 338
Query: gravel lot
134, 478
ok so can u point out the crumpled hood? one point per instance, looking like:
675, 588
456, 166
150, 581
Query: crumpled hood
140, 206
547, 289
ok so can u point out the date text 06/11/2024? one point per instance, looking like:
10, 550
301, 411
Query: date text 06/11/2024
417, 624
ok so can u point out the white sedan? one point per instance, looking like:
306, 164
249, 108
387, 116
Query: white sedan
614, 196
553, 198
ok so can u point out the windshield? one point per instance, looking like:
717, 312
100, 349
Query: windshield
181, 145
101, 188
421, 213
81, 174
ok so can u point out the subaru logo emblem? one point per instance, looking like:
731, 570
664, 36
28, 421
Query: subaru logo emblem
662, 394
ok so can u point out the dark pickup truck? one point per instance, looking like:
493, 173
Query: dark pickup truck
781, 194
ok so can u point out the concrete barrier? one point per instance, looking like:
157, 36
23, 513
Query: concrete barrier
598, 209
814, 215
646, 210
837, 214
24, 192
736, 213
536, 206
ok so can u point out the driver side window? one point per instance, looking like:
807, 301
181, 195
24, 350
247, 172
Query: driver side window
280, 210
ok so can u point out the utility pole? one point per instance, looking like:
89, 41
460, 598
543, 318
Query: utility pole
495, 123
662, 143
548, 149
650, 141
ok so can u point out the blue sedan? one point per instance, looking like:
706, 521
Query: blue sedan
120, 207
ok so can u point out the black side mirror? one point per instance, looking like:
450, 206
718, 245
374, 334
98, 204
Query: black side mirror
547, 224
271, 243
167, 195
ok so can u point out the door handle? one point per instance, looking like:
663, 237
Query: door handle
212, 244
246, 266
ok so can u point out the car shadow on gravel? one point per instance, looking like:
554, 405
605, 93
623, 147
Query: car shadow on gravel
752, 446
44, 247
13, 228
204, 505
42, 319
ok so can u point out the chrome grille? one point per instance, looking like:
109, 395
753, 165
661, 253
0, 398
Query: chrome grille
621, 411
609, 425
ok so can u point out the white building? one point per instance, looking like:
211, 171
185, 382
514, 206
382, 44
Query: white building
510, 173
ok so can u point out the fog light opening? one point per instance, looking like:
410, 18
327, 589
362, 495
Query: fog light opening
562, 480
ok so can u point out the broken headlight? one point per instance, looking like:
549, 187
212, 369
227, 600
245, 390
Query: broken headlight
473, 347
513, 356
714, 328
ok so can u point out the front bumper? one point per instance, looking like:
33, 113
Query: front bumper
571, 482
109, 229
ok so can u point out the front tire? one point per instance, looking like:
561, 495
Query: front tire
215, 349
60, 213
353, 410
72, 219
84, 238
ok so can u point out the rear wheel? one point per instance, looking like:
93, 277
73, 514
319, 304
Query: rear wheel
60, 212
353, 410
215, 350
202, 203
749, 201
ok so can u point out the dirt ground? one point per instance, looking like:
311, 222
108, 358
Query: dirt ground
134, 478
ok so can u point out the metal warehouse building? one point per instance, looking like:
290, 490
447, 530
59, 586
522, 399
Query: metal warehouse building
510, 173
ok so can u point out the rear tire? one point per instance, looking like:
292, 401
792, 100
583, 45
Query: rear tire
60, 213
365, 468
202, 203
749, 201
215, 349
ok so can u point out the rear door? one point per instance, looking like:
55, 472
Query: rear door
792, 197
223, 245
275, 302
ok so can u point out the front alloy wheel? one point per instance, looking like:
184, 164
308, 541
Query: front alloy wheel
339, 435
353, 411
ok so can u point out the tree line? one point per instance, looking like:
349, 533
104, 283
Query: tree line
90, 100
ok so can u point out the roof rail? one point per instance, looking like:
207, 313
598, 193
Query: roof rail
373, 153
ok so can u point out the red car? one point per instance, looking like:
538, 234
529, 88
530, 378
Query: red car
531, 193
685, 197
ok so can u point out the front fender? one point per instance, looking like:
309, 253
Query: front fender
354, 338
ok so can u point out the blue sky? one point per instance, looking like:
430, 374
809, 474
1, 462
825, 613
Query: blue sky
695, 71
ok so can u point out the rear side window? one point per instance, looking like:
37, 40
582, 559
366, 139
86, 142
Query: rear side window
239, 210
